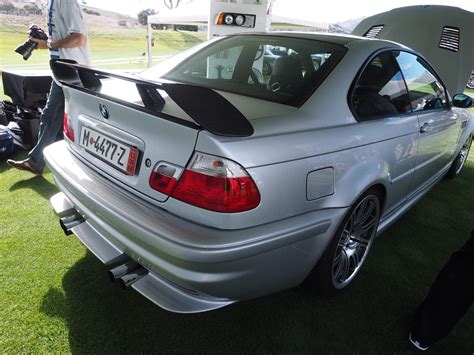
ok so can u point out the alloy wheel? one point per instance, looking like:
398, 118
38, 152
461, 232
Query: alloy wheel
355, 241
463, 154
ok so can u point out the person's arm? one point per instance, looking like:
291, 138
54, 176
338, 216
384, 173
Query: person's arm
72, 41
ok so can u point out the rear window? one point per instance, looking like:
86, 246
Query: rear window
279, 69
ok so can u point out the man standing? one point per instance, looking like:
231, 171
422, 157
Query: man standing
67, 39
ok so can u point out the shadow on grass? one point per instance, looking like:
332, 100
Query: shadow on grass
101, 316
38, 184
371, 316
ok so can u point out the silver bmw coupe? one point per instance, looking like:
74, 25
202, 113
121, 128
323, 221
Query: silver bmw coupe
204, 181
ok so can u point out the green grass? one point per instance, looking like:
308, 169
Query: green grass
56, 297
470, 92
127, 45
110, 44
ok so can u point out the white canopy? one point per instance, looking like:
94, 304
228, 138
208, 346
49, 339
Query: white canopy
197, 13
443, 34
193, 13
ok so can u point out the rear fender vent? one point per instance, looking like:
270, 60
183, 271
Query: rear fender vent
374, 31
450, 37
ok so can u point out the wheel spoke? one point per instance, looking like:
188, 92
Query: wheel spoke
344, 238
368, 212
368, 226
360, 211
341, 267
360, 240
350, 223
338, 266
346, 268
355, 262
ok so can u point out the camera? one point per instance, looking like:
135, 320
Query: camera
26, 48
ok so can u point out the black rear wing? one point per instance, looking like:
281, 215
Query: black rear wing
206, 107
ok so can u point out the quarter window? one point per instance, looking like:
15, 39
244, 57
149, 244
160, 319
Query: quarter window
380, 90
424, 89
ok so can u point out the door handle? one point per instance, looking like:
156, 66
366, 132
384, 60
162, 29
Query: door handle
426, 128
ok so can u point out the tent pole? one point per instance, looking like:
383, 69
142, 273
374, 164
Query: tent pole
148, 45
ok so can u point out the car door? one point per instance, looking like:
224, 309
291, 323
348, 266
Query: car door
439, 125
380, 103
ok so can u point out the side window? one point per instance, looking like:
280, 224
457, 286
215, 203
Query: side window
424, 90
380, 91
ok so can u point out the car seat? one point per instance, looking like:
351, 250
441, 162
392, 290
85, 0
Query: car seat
287, 76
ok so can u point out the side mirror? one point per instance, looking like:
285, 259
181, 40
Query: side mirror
462, 100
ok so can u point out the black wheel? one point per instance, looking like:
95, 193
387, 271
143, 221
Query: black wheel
348, 250
460, 160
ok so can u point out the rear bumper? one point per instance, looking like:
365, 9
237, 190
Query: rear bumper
187, 272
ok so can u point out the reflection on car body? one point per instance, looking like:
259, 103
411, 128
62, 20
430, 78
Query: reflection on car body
245, 185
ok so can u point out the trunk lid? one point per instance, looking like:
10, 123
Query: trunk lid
124, 127
155, 139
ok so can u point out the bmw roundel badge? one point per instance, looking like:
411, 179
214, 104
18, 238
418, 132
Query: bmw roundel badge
103, 111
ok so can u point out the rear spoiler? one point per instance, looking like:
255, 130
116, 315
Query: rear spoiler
206, 107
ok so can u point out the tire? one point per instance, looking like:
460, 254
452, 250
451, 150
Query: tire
460, 161
348, 250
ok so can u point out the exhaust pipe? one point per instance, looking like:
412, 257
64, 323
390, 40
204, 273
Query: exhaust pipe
69, 222
128, 273
121, 270
129, 279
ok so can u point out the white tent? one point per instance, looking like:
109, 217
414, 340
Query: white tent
193, 13
443, 34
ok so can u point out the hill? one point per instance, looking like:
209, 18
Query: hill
95, 18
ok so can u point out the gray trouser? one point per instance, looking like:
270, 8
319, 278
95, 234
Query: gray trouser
51, 122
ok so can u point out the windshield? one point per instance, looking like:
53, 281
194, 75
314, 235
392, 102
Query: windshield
275, 68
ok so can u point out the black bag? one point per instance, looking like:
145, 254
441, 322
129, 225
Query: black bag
29, 121
7, 110
7, 148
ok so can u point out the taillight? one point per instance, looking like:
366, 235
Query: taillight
217, 184
67, 128
164, 178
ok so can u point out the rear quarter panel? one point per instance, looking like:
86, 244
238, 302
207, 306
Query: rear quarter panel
361, 155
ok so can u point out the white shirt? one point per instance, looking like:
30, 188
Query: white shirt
64, 18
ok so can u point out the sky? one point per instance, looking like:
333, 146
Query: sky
319, 11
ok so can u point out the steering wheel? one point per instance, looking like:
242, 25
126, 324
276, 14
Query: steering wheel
256, 76
259, 52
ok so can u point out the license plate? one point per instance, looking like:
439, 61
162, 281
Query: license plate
119, 155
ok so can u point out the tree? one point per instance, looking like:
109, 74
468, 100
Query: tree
143, 15
8, 7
